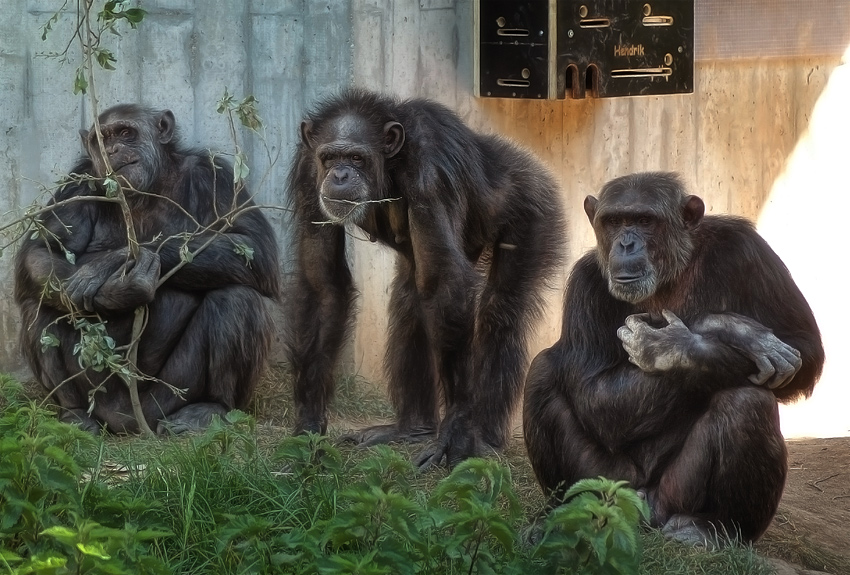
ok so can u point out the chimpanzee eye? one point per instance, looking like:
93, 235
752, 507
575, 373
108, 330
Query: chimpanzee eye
125, 133
644, 221
356, 159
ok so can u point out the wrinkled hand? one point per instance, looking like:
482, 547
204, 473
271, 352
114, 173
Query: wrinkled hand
113, 282
657, 349
777, 362
84, 284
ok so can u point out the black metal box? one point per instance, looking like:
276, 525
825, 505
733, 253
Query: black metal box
625, 47
567, 48
514, 49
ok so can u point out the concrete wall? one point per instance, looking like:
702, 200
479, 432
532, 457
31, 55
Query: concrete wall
762, 67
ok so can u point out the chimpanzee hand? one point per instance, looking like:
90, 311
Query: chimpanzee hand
84, 284
114, 282
132, 285
458, 439
777, 362
658, 349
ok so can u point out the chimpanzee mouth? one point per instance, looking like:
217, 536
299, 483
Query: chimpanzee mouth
340, 210
628, 279
122, 166
631, 287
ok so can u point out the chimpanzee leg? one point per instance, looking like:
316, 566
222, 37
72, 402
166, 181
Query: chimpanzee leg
510, 302
729, 476
54, 367
217, 359
560, 451
409, 364
50, 369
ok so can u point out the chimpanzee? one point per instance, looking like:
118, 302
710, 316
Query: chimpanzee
412, 176
680, 332
209, 325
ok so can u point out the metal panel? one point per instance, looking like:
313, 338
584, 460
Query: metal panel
513, 48
625, 47
561, 48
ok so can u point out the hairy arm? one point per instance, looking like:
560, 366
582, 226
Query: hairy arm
757, 310
447, 284
239, 248
65, 268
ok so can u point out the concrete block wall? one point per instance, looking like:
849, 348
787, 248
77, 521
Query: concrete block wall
734, 139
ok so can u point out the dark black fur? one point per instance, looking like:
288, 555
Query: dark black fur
455, 334
209, 326
691, 431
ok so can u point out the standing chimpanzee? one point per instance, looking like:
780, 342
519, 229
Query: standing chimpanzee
680, 333
208, 328
411, 175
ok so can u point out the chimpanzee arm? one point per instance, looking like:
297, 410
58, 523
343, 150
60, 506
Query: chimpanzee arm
42, 259
677, 348
243, 251
777, 362
766, 317
320, 314
244, 254
447, 284
61, 254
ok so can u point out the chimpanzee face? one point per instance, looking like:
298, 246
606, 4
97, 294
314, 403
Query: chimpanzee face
133, 144
643, 235
350, 154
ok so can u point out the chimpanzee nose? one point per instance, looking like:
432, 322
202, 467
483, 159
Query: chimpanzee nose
340, 176
630, 243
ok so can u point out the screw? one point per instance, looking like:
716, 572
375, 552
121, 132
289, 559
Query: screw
570, 33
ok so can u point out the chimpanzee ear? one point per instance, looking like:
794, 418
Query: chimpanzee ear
692, 211
84, 136
393, 138
307, 134
165, 125
590, 207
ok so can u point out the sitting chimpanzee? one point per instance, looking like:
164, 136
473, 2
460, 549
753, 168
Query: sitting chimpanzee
680, 332
209, 324
412, 176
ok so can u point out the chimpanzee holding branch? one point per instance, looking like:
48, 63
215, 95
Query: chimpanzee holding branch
680, 334
413, 177
209, 325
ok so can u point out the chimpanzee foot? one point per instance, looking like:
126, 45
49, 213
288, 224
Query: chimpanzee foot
81, 419
391, 433
456, 441
657, 517
695, 531
193, 417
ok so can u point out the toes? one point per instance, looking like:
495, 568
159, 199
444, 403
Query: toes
691, 531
